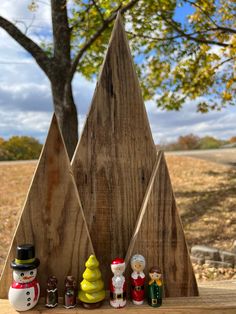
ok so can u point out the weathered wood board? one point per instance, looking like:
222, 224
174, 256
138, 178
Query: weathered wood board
52, 219
115, 156
159, 236
217, 298
113, 164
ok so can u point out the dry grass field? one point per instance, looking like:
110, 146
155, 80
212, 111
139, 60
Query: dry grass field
205, 194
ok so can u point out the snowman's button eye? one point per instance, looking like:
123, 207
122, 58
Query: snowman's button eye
31, 273
22, 274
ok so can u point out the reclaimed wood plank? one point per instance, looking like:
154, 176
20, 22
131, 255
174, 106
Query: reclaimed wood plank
160, 238
52, 219
115, 155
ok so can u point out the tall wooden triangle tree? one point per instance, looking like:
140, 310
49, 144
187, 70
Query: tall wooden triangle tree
113, 163
52, 219
115, 155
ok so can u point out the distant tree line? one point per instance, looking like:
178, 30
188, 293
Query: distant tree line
192, 142
19, 148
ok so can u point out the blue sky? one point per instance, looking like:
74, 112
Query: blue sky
25, 96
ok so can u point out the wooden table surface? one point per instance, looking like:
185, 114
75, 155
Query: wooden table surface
218, 297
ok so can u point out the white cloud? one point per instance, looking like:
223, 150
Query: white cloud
168, 126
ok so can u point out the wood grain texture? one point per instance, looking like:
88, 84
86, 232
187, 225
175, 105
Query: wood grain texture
215, 299
160, 238
115, 156
52, 219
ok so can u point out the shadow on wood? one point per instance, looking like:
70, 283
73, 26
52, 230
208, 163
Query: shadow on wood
52, 219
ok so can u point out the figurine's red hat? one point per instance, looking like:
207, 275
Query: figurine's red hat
117, 260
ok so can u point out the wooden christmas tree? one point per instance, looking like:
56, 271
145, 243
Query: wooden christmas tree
113, 164
52, 219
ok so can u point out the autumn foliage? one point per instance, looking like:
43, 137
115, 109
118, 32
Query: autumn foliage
19, 148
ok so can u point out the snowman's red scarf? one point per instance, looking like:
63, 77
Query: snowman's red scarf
31, 284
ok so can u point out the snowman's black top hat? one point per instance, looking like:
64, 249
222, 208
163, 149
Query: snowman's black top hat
25, 258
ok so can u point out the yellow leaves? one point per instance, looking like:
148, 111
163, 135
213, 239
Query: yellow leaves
33, 6
232, 48
196, 17
230, 82
226, 96
205, 48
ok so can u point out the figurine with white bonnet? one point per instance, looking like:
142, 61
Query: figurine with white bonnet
137, 279
118, 284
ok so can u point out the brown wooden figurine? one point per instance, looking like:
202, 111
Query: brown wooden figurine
70, 292
51, 299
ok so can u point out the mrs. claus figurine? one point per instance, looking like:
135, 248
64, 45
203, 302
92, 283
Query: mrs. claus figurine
118, 284
24, 291
137, 279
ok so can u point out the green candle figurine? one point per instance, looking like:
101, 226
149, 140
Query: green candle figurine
155, 287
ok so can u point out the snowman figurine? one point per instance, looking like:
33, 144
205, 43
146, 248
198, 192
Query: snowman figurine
24, 291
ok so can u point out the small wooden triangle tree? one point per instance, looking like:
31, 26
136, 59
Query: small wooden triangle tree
159, 236
112, 165
52, 219
114, 158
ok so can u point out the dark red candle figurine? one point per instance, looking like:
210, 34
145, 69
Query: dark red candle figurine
137, 279
51, 292
70, 295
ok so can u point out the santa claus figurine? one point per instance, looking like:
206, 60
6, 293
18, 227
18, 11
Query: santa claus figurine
24, 291
137, 279
118, 284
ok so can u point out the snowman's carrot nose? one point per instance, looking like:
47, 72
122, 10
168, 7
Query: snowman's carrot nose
27, 277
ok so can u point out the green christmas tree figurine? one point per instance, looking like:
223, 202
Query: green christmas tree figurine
92, 292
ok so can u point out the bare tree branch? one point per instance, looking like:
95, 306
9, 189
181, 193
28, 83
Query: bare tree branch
171, 37
223, 62
99, 31
38, 54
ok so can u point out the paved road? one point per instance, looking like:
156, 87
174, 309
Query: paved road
226, 156
14, 162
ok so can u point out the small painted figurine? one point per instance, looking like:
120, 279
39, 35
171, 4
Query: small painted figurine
155, 287
137, 279
118, 284
51, 299
24, 291
92, 292
70, 292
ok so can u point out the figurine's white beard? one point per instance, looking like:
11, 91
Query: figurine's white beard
118, 281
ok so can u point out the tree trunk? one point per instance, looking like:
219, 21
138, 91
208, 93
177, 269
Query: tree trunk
66, 113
